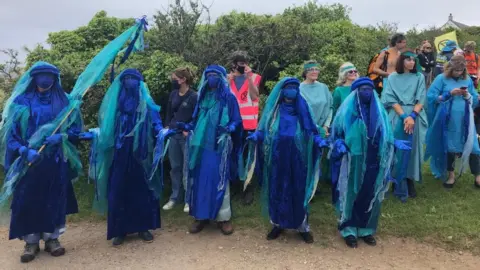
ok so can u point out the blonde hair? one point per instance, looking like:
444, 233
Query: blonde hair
343, 73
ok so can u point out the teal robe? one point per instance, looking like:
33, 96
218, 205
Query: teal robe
407, 90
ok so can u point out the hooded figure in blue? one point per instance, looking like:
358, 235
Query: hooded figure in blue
451, 99
214, 149
122, 157
288, 162
44, 195
361, 157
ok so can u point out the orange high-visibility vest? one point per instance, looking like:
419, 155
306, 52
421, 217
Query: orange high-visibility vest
248, 107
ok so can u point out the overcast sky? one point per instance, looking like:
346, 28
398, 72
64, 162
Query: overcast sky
28, 22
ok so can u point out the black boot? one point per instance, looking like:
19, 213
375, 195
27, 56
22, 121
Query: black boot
369, 240
117, 241
307, 237
351, 241
248, 195
274, 233
54, 247
412, 193
146, 236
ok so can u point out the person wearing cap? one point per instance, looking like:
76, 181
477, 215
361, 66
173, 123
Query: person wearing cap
447, 52
245, 85
361, 156
287, 146
404, 97
473, 62
122, 157
214, 151
44, 195
451, 135
347, 74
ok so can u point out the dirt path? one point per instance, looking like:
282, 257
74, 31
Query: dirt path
175, 249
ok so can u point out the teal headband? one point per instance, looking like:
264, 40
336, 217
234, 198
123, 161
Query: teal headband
310, 65
347, 68
410, 54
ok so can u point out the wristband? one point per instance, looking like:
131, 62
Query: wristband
403, 116
413, 115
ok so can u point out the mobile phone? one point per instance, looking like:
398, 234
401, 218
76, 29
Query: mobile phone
463, 88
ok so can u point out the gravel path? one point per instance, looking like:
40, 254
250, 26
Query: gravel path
87, 248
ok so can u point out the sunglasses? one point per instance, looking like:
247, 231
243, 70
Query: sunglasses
313, 69
353, 71
428, 48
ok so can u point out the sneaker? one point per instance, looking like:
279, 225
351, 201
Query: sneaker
198, 226
29, 253
146, 236
226, 227
370, 240
186, 209
274, 233
53, 247
351, 241
307, 237
169, 205
117, 241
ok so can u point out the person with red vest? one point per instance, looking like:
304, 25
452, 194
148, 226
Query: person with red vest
473, 61
244, 84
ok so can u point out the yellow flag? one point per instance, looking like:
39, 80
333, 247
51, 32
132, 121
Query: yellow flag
441, 40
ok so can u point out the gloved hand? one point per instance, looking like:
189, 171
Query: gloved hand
339, 149
53, 140
403, 145
32, 155
22, 150
184, 126
321, 142
170, 133
253, 136
227, 129
87, 136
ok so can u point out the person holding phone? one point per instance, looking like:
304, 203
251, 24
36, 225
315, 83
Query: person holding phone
244, 84
452, 134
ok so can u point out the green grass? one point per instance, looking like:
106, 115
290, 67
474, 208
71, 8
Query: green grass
450, 219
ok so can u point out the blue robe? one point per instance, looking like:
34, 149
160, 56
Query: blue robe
206, 154
44, 195
451, 123
287, 177
132, 205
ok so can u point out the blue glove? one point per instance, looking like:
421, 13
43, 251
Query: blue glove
184, 127
227, 129
320, 142
403, 145
252, 136
339, 149
54, 139
170, 133
87, 136
22, 150
32, 155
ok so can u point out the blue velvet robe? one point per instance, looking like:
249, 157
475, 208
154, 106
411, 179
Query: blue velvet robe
287, 183
206, 198
132, 206
45, 195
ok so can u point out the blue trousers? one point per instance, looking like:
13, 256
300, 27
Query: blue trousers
34, 238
